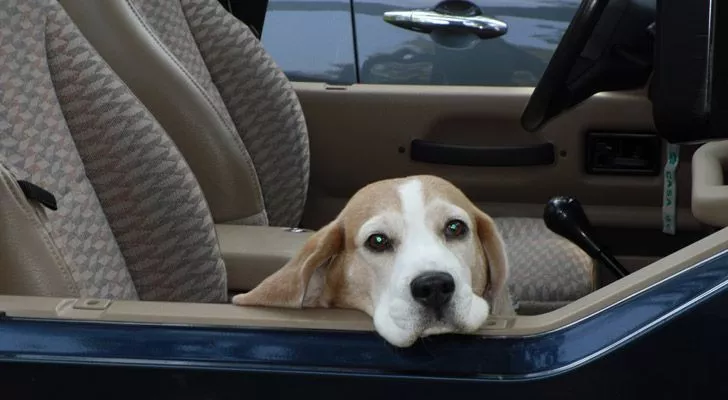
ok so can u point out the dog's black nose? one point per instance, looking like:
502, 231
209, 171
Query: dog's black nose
433, 289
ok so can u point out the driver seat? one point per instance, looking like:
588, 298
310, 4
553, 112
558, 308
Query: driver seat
238, 122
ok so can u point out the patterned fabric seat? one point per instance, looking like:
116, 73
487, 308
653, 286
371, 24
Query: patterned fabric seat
547, 271
133, 218
130, 221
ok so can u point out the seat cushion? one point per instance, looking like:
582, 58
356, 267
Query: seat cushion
547, 270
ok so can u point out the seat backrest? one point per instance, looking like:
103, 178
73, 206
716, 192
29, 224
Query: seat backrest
208, 80
131, 220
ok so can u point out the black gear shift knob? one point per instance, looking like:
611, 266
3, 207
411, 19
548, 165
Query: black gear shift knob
564, 216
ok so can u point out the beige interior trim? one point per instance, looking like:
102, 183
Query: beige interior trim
252, 253
30, 262
710, 190
230, 315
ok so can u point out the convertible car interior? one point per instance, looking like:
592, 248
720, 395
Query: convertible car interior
155, 161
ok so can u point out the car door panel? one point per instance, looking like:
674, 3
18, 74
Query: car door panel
362, 133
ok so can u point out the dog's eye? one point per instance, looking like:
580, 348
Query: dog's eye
378, 242
455, 228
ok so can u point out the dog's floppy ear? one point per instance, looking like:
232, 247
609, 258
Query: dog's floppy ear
301, 278
496, 290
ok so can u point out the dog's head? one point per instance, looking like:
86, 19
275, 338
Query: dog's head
414, 253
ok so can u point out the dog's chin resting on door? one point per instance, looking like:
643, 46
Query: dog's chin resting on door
414, 253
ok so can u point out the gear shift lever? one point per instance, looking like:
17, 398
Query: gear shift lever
565, 217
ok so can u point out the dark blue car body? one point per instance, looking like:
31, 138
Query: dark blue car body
666, 341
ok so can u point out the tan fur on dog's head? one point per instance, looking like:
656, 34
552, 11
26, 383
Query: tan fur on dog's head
390, 233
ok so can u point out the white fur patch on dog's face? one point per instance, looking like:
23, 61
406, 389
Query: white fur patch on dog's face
414, 253
420, 246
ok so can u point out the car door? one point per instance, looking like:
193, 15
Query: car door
383, 101
389, 54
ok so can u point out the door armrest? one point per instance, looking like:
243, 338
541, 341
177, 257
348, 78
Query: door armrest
252, 253
710, 189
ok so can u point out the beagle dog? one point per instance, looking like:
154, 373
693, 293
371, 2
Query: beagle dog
414, 253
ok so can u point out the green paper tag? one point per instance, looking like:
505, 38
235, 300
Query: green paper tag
669, 189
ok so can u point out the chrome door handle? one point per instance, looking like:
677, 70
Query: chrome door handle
427, 21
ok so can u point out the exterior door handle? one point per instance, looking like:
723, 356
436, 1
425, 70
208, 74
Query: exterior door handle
428, 21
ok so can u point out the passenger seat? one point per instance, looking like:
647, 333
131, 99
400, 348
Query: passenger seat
96, 201
237, 119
